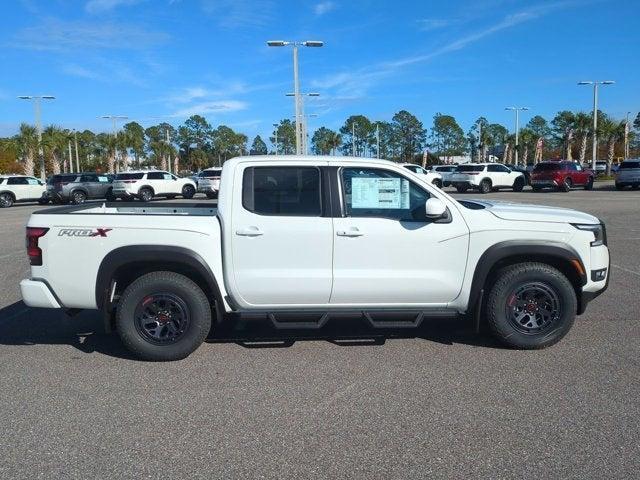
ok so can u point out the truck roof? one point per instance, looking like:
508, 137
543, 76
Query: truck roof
315, 159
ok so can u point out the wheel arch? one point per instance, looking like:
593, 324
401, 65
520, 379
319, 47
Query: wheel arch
149, 187
13, 195
558, 255
123, 265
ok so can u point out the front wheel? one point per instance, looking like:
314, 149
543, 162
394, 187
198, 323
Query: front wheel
78, 197
531, 306
43, 201
589, 184
567, 185
619, 186
518, 184
163, 316
188, 191
110, 197
485, 186
437, 182
6, 200
145, 194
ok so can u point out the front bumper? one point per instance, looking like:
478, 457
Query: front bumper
36, 293
543, 183
600, 259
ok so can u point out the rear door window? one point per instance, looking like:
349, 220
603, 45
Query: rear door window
129, 176
292, 191
155, 176
470, 168
17, 181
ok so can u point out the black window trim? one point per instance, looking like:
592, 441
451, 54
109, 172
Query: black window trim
324, 212
343, 206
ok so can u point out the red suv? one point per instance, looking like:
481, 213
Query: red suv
561, 175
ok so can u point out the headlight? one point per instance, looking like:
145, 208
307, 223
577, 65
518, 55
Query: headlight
598, 231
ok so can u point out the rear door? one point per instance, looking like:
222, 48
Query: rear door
88, 182
102, 186
156, 181
386, 252
500, 176
281, 244
35, 188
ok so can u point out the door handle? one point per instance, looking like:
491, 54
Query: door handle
249, 232
352, 232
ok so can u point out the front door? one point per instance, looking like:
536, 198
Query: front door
386, 252
281, 242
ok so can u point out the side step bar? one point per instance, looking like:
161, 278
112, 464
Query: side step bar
369, 316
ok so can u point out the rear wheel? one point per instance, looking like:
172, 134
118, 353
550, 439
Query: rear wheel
145, 194
78, 197
437, 182
567, 185
6, 200
619, 186
163, 316
518, 184
110, 197
589, 184
188, 191
485, 186
211, 195
531, 305
462, 189
635, 186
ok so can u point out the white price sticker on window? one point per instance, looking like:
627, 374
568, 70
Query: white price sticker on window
388, 193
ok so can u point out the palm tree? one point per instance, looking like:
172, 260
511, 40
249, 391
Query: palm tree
611, 132
54, 142
527, 138
334, 140
582, 126
27, 142
105, 148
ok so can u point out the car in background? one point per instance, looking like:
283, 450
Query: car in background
522, 169
486, 177
446, 171
628, 174
78, 187
601, 167
433, 178
147, 184
208, 181
20, 188
561, 175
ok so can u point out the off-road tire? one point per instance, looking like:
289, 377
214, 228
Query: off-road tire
506, 282
196, 302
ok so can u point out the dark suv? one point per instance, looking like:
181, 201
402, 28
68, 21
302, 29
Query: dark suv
78, 187
561, 175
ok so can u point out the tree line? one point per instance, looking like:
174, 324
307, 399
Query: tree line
196, 144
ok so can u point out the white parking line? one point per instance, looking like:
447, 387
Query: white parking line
634, 272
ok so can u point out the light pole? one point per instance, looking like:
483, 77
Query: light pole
595, 84
517, 110
75, 139
276, 135
303, 123
114, 119
296, 81
36, 106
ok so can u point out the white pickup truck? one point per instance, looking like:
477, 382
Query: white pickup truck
314, 237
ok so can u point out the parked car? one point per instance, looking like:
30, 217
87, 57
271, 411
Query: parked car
322, 234
601, 167
148, 184
522, 169
20, 188
78, 187
446, 171
432, 177
486, 177
208, 182
628, 175
561, 175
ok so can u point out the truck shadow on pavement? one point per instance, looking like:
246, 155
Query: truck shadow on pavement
24, 326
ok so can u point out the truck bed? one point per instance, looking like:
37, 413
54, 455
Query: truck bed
122, 208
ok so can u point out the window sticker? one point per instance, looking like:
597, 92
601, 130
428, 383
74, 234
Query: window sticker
388, 193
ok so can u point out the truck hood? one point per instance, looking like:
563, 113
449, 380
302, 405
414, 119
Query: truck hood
535, 213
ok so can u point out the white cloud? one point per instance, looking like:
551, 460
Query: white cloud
80, 71
98, 6
428, 24
59, 36
239, 13
324, 7
217, 106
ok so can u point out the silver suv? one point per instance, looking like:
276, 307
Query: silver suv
79, 187
628, 174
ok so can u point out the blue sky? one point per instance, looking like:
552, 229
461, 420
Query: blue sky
162, 60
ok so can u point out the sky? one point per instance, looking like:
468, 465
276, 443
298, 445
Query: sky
164, 60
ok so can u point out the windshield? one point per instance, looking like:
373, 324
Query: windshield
129, 176
546, 167
630, 164
470, 168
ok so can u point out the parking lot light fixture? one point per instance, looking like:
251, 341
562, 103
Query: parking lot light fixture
37, 109
296, 83
595, 84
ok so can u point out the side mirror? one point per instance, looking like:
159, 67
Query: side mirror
435, 208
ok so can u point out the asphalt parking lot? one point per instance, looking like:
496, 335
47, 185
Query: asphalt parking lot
344, 402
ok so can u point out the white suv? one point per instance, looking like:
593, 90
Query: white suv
20, 188
446, 171
628, 174
209, 182
486, 177
433, 178
154, 183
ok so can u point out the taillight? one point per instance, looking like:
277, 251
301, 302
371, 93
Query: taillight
33, 250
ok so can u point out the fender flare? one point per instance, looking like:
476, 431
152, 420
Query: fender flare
156, 254
510, 248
